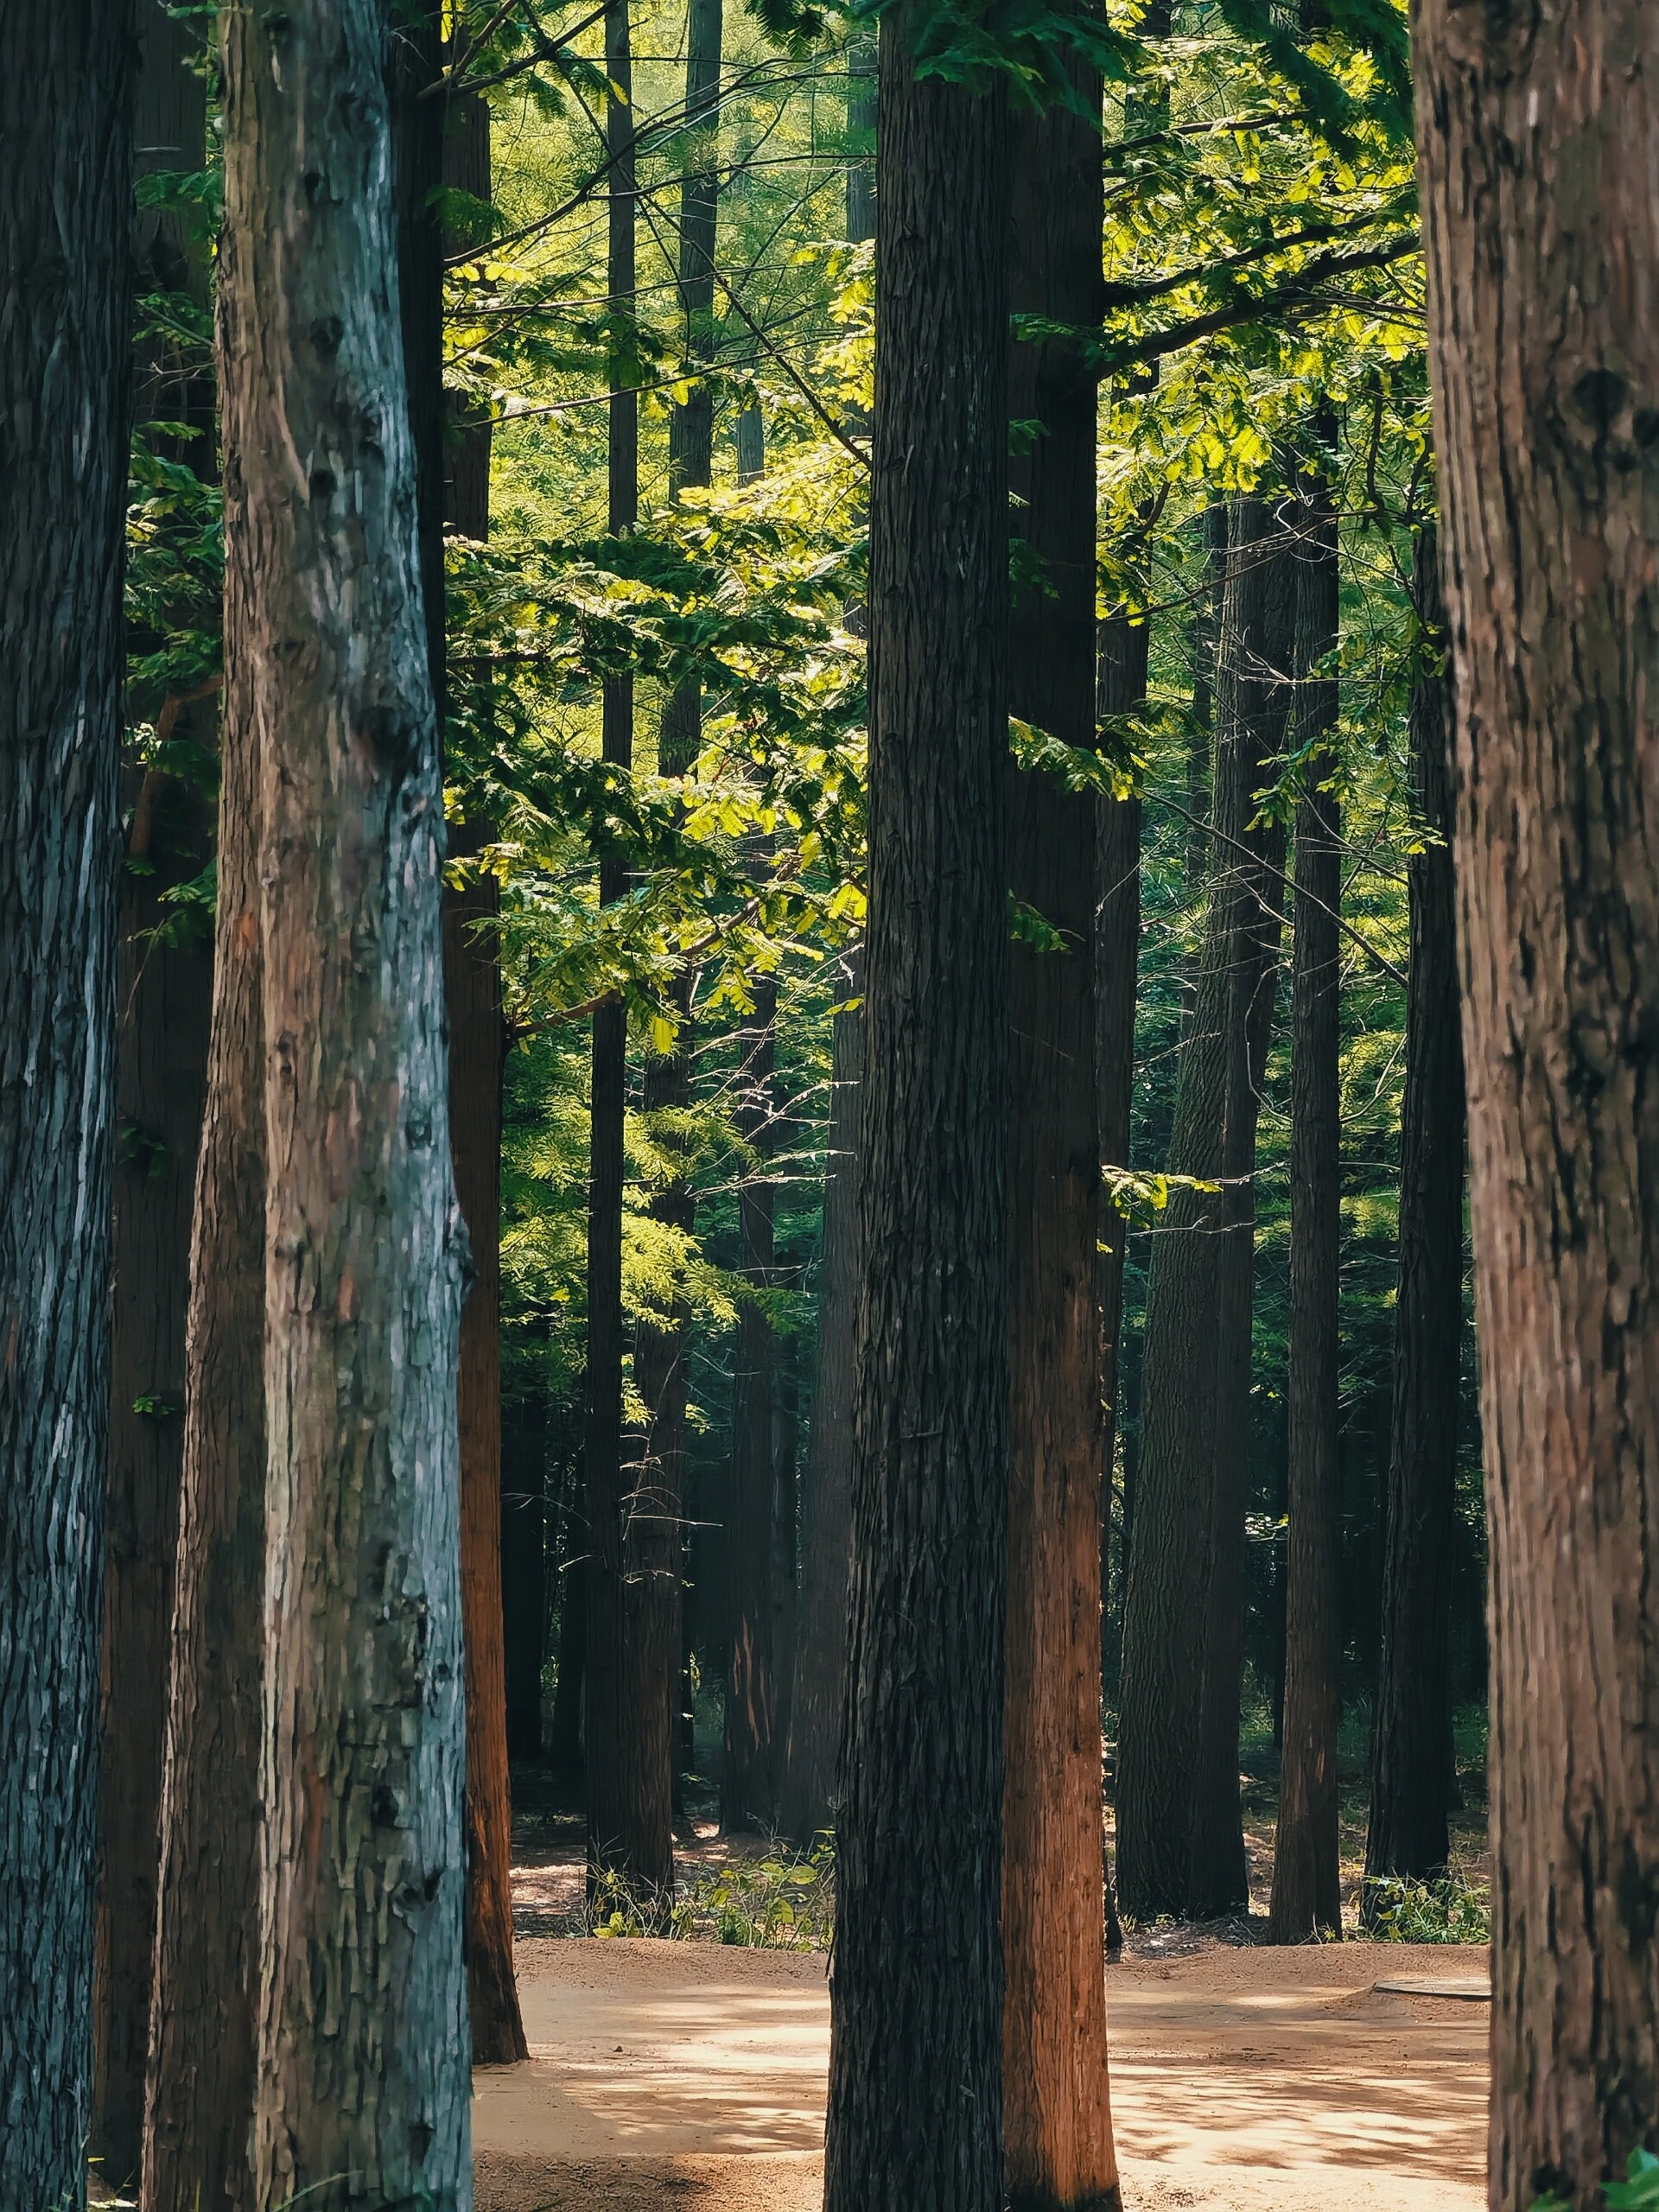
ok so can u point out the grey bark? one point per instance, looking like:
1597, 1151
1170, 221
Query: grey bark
64, 121
361, 2039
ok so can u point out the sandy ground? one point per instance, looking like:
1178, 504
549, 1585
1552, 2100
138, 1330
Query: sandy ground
690, 2078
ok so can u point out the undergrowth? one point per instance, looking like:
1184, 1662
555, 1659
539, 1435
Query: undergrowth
1451, 1910
764, 1904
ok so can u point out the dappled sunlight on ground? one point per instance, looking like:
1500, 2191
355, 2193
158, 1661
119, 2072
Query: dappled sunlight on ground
1260, 2081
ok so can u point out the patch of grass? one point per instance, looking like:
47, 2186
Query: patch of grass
1452, 1911
775, 1903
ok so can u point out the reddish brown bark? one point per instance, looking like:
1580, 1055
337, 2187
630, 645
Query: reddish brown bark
1057, 2111
1539, 136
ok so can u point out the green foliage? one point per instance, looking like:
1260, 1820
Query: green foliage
764, 1904
1637, 2192
1451, 1910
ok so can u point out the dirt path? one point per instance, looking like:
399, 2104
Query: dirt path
690, 2078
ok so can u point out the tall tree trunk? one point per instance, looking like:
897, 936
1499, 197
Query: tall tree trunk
164, 995
807, 1798
429, 155
361, 2039
65, 217
1055, 2104
1195, 1372
564, 1750
1539, 139
1410, 1765
1258, 643
525, 1534
199, 2082
917, 1996
1306, 1867
659, 1354
746, 1787
630, 1662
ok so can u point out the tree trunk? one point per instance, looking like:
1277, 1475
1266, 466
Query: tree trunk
564, 1749
631, 1548
427, 157
745, 1786
1055, 2104
65, 350
1539, 133
1121, 689
1411, 1738
917, 1994
1195, 1374
659, 1354
817, 1671
1306, 1868
524, 1556
199, 2082
808, 1800
165, 996
1258, 644
361, 2040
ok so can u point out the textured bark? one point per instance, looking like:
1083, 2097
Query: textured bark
65, 120
914, 2120
1410, 1762
199, 2086
427, 157
807, 1803
361, 2046
164, 997
630, 1659
1538, 134
1306, 1870
659, 1354
746, 1782
1055, 2104
1189, 1507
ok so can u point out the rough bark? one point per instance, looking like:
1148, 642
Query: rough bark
427, 156
745, 1783
1195, 1372
1409, 1759
1056, 2103
200, 2083
65, 120
164, 997
630, 1662
361, 2045
1306, 1870
914, 2120
807, 1803
1539, 136
659, 1353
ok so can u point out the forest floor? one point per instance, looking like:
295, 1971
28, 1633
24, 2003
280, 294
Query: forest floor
691, 2076
688, 2076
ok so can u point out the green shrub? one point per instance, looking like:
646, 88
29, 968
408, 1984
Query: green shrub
1451, 1910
